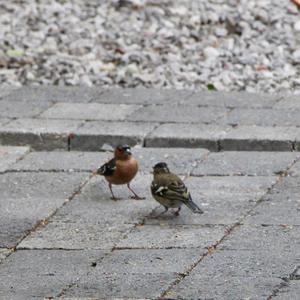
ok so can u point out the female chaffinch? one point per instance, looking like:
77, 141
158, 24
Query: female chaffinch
170, 191
120, 170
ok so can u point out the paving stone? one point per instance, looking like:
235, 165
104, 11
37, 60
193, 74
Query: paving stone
277, 209
258, 138
4, 121
288, 102
245, 163
165, 236
67, 161
178, 114
93, 135
120, 286
21, 109
223, 201
5, 91
89, 111
262, 117
149, 261
232, 99
289, 292
142, 266
179, 160
93, 205
92, 219
278, 239
4, 253
41, 274
38, 133
52, 94
228, 275
141, 96
27, 198
9, 155
295, 169
186, 136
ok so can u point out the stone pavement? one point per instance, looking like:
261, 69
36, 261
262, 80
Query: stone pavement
62, 237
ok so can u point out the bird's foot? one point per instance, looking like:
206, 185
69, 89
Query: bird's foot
115, 198
136, 197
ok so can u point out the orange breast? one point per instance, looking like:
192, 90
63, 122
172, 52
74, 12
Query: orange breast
125, 171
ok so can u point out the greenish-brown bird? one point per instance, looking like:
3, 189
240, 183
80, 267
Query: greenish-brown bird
170, 191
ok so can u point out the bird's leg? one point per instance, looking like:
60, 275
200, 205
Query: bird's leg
136, 196
176, 213
113, 196
162, 213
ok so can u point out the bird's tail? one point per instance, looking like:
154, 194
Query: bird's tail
193, 207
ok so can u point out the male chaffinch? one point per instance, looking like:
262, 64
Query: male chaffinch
170, 191
120, 170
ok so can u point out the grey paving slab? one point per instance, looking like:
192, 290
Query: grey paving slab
4, 253
179, 160
93, 135
259, 138
52, 94
139, 267
168, 236
187, 136
178, 114
288, 102
5, 91
19, 109
228, 275
120, 286
245, 163
27, 198
68, 161
89, 111
92, 220
40, 134
262, 117
223, 201
290, 291
276, 239
41, 274
4, 121
295, 169
141, 96
232, 99
9, 155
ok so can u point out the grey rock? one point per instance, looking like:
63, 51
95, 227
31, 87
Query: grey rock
9, 155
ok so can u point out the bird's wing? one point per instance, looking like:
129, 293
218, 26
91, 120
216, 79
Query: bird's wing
108, 168
171, 187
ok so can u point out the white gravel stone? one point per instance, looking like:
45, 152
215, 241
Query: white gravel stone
181, 44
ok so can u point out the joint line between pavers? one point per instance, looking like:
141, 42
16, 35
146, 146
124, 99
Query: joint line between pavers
214, 247
44, 222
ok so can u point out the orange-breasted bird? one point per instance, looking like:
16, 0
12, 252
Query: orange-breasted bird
170, 191
120, 170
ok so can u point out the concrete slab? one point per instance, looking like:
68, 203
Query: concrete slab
93, 135
21, 109
141, 96
162, 237
288, 292
178, 114
245, 163
40, 134
41, 274
232, 99
262, 117
187, 136
9, 155
27, 198
259, 138
89, 111
4, 253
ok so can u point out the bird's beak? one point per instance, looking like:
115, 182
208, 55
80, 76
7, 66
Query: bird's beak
128, 151
95, 172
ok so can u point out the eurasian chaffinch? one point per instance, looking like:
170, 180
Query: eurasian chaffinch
170, 191
120, 170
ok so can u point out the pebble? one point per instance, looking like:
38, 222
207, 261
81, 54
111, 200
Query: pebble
252, 45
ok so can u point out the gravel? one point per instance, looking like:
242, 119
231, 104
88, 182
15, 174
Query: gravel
251, 45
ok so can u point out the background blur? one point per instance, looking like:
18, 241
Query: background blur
251, 45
